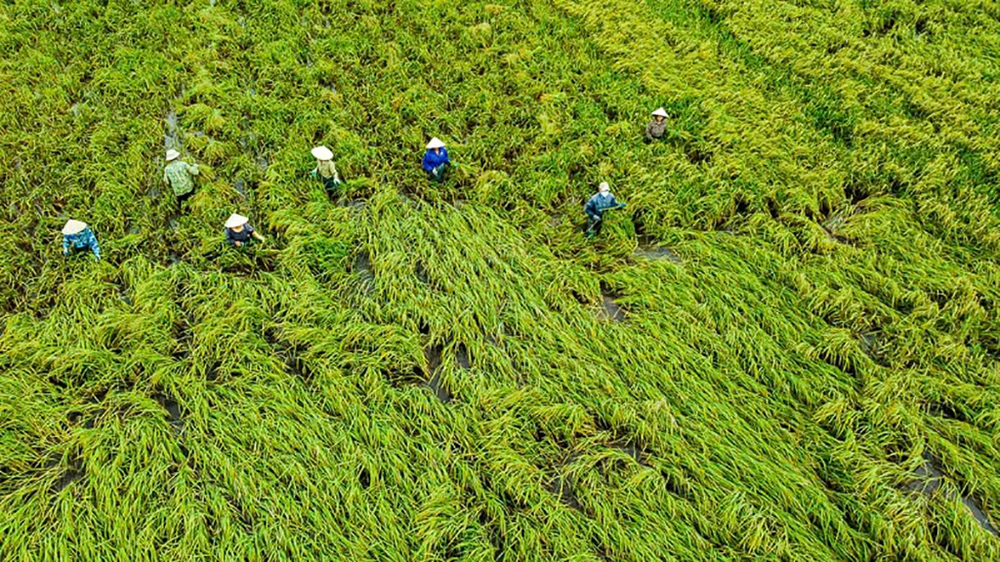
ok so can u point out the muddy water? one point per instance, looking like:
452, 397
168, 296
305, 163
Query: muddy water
928, 481
171, 138
657, 253
362, 266
611, 309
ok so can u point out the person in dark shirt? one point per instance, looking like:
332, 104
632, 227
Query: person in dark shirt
239, 232
657, 126
601, 201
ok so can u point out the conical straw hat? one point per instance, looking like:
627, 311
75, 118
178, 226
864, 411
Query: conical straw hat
172, 155
73, 227
435, 143
661, 112
322, 153
236, 220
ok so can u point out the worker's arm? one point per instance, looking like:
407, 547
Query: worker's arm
193, 169
229, 237
649, 131
65, 245
428, 166
257, 235
94, 246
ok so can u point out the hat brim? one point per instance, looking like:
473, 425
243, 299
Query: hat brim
236, 220
74, 227
322, 153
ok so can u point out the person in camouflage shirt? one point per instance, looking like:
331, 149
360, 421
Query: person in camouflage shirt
77, 237
179, 175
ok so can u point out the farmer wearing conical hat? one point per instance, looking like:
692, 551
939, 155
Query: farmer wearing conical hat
601, 201
436, 160
239, 232
325, 170
77, 237
180, 176
657, 126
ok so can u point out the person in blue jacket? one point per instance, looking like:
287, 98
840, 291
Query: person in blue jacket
77, 237
436, 160
601, 201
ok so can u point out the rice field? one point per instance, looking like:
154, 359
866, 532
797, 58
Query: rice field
787, 347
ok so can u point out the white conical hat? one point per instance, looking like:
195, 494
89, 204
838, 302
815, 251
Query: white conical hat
661, 112
604, 185
235, 220
322, 153
73, 227
172, 155
435, 143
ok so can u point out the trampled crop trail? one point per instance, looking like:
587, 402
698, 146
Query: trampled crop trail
750, 362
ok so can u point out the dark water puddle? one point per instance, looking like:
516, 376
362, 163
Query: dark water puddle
610, 309
422, 273
928, 480
462, 356
363, 267
57, 382
72, 474
972, 504
295, 365
562, 489
433, 357
173, 409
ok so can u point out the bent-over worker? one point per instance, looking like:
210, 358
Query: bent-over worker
179, 175
657, 126
601, 201
436, 160
239, 232
77, 237
325, 170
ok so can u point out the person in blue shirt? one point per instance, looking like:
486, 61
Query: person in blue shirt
77, 237
436, 160
601, 201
